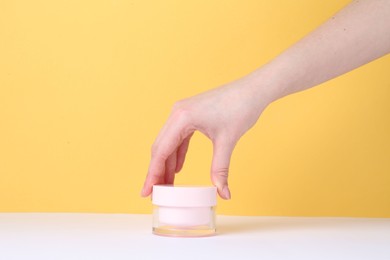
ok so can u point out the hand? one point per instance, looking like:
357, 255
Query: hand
223, 114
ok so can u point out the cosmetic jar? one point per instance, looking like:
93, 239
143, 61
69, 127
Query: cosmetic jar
184, 211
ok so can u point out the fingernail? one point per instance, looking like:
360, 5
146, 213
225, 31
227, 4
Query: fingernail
226, 193
143, 192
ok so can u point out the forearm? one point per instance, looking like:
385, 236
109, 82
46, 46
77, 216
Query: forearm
355, 36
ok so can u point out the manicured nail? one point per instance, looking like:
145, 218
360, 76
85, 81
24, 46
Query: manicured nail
226, 193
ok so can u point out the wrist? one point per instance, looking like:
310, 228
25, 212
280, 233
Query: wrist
265, 85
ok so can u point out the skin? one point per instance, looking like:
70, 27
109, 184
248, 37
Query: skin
356, 35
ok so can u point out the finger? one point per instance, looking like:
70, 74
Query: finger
171, 136
181, 153
222, 152
157, 167
170, 167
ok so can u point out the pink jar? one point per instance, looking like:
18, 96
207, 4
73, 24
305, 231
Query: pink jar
185, 211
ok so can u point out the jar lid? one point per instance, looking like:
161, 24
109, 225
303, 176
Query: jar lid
184, 196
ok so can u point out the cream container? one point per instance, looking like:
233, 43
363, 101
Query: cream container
184, 211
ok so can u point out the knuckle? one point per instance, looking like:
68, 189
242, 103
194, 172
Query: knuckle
158, 154
221, 173
183, 119
181, 111
181, 114
178, 105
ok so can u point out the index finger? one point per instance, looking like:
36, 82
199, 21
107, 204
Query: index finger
176, 129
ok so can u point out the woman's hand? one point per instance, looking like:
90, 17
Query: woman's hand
223, 114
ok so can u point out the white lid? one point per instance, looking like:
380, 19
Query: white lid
184, 196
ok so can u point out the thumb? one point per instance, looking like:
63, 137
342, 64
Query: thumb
222, 152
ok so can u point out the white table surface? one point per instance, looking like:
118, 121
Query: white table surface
120, 236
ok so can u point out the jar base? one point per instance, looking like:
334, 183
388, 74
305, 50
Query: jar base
171, 231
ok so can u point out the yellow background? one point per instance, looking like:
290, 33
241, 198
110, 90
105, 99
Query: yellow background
86, 85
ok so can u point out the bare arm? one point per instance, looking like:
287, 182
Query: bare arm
355, 36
